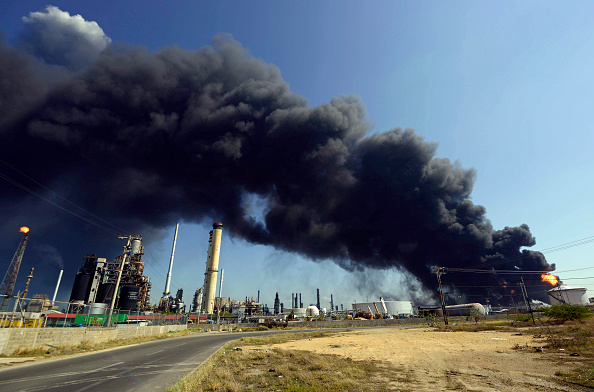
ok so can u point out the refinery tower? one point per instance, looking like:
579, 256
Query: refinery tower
212, 267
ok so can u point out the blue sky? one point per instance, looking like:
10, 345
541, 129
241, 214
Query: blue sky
503, 87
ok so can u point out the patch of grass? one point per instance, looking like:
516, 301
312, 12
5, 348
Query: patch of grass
466, 326
49, 351
287, 370
283, 337
572, 337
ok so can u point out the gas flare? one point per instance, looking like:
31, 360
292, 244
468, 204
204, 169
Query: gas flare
24, 229
552, 279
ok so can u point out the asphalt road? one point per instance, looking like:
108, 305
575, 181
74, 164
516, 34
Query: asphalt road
152, 366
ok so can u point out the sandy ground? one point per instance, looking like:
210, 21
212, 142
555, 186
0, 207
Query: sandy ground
428, 360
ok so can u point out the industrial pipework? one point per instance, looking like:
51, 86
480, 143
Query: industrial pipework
212, 267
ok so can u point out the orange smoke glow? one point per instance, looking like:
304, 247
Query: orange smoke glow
24, 229
552, 279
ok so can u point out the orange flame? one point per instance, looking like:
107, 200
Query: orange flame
24, 229
552, 279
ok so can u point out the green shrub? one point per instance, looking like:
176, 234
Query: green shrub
564, 312
522, 318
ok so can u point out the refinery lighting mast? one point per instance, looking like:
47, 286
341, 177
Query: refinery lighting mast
7, 286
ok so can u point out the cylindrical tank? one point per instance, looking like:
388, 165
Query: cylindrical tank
394, 308
312, 311
80, 289
212, 267
105, 293
398, 308
568, 295
129, 297
465, 309
98, 308
136, 246
299, 312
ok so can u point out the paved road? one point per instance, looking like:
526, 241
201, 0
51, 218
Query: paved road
151, 366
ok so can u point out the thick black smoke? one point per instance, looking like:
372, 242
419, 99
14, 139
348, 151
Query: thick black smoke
147, 138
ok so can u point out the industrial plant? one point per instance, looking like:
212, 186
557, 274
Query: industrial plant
114, 292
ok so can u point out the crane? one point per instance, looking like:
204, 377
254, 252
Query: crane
7, 285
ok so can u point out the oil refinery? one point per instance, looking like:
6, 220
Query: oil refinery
114, 292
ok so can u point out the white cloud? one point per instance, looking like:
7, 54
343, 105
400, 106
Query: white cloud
63, 39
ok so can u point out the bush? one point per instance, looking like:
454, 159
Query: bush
522, 318
564, 312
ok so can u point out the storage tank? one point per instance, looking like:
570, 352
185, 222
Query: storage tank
394, 308
568, 295
129, 297
312, 311
98, 308
136, 246
105, 292
81, 287
465, 309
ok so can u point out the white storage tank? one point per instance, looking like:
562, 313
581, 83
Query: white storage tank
312, 311
465, 309
394, 308
568, 295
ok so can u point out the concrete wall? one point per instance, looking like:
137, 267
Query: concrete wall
12, 339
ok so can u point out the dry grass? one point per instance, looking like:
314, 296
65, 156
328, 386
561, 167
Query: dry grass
49, 351
572, 343
234, 370
568, 342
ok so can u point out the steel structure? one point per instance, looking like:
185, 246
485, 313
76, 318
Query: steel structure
7, 286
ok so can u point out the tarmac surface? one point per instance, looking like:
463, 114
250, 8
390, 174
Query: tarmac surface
152, 366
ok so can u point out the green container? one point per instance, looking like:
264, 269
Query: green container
98, 319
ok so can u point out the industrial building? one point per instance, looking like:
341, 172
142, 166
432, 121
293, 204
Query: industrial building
97, 281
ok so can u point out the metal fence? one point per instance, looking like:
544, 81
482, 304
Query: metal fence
41, 312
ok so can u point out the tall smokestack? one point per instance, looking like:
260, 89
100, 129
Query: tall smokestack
212, 265
318, 295
331, 304
300, 302
57, 287
168, 280
276, 304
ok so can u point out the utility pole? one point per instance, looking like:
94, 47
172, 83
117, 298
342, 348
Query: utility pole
440, 271
526, 301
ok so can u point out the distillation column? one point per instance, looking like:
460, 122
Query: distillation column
212, 267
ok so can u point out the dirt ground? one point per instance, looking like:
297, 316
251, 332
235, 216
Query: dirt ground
429, 360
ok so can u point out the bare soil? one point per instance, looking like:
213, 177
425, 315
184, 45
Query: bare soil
430, 360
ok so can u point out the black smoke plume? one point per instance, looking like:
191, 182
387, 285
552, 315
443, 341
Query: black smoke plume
143, 139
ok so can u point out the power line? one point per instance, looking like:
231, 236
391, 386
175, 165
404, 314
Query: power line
63, 198
107, 229
498, 272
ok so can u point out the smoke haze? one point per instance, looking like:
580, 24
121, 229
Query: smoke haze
144, 139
